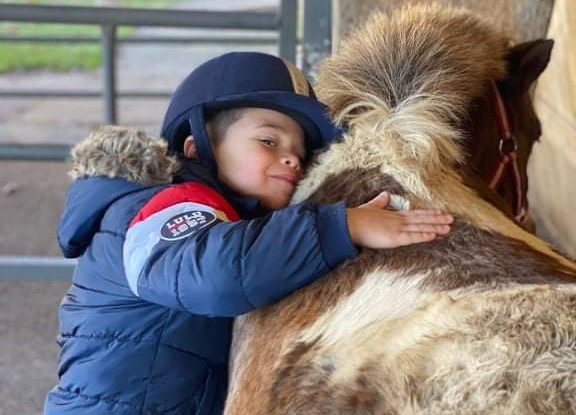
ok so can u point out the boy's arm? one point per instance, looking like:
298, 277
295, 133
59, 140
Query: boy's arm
229, 268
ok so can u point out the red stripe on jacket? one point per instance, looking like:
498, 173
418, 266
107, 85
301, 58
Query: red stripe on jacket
186, 192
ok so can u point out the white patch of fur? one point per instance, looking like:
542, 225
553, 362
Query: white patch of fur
241, 350
386, 340
494, 352
382, 295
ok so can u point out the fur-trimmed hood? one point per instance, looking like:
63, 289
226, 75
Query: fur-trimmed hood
123, 152
87, 201
112, 162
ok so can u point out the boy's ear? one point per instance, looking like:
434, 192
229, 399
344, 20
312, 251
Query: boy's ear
190, 148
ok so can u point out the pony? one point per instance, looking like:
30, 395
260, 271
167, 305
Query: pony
481, 321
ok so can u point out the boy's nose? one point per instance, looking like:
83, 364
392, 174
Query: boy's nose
291, 161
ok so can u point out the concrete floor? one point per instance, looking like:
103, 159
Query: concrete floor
28, 350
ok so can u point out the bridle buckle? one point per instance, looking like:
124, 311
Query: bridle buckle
507, 145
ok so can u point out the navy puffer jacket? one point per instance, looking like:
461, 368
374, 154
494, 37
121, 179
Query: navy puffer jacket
145, 327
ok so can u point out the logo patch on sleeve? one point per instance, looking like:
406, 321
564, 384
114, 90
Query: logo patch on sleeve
185, 224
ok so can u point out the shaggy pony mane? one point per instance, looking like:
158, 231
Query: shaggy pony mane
411, 76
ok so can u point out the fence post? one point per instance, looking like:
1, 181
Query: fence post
287, 22
109, 72
317, 34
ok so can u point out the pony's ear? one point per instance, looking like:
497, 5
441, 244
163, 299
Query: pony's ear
528, 60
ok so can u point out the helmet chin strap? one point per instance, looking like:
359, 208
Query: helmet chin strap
201, 139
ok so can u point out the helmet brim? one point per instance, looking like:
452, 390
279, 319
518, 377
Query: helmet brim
310, 114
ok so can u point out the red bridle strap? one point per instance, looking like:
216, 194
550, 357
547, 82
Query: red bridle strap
508, 149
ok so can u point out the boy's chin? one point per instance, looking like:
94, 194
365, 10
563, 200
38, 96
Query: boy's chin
274, 204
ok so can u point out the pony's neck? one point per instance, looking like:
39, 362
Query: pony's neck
415, 145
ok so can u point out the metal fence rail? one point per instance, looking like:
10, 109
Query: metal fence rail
35, 268
109, 18
279, 28
135, 40
117, 16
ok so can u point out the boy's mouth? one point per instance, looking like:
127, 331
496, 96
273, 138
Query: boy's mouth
288, 178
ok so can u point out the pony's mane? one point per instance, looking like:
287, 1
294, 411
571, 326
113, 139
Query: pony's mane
412, 75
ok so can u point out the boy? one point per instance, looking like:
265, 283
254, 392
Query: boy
146, 327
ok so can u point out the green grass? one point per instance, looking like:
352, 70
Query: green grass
60, 57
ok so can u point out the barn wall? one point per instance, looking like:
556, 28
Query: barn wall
526, 19
552, 170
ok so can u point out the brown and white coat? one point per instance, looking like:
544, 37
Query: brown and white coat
482, 321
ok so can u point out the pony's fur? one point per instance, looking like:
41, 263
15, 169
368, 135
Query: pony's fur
481, 321
396, 78
123, 152
406, 80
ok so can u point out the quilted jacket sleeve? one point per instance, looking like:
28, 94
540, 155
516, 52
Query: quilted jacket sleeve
189, 255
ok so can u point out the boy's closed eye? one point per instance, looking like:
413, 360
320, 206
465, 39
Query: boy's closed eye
270, 142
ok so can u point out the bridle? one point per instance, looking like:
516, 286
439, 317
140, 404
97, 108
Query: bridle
508, 164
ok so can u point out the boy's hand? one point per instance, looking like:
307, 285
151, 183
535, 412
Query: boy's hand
371, 225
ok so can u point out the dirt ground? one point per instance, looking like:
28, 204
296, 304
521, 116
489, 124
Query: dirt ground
31, 200
28, 350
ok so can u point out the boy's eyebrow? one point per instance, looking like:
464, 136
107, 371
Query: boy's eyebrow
270, 124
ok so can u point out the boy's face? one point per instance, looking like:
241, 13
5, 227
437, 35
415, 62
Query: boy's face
261, 156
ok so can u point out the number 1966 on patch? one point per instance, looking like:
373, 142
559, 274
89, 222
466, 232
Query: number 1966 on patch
185, 224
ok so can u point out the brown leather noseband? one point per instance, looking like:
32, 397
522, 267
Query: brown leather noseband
508, 163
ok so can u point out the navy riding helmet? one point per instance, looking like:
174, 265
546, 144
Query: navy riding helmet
244, 79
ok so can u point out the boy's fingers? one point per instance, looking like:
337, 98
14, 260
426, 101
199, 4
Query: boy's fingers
431, 219
380, 201
426, 228
425, 212
428, 215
